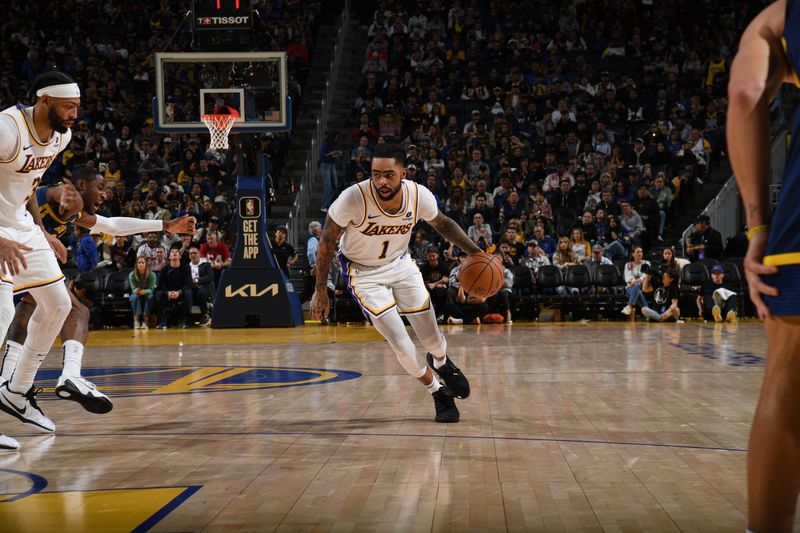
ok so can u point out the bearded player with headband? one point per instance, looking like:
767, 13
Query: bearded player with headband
30, 140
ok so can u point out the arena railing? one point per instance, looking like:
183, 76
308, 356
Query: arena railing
725, 209
297, 215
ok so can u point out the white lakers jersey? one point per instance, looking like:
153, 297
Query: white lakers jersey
24, 158
373, 237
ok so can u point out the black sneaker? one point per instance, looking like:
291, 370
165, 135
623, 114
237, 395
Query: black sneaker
84, 392
446, 410
452, 377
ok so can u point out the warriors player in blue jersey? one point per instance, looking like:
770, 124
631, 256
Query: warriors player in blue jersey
374, 219
768, 56
62, 206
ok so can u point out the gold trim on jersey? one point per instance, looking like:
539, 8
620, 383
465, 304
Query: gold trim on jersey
6, 280
363, 197
47, 209
402, 211
791, 258
38, 284
19, 141
419, 310
795, 78
32, 132
351, 280
416, 202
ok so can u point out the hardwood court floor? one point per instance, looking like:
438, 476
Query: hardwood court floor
597, 427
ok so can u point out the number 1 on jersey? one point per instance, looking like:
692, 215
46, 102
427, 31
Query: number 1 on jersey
385, 249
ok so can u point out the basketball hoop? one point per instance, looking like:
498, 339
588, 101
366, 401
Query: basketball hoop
219, 126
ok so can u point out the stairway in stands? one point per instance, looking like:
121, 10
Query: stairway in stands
721, 171
340, 119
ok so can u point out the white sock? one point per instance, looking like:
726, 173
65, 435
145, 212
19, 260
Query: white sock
434, 386
25, 372
439, 363
73, 354
10, 358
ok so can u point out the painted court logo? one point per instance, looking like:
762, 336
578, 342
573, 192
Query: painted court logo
145, 381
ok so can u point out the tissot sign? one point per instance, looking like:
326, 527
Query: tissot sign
223, 21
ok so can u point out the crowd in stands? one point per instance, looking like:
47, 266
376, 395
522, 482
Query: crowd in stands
531, 122
109, 49
553, 133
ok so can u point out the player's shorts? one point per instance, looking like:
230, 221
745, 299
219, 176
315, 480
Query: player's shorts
379, 289
43, 269
787, 281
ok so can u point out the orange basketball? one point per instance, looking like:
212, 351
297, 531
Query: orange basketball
481, 275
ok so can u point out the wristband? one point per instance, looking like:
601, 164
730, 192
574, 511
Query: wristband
763, 228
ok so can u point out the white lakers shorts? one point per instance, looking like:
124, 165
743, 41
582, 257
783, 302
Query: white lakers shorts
379, 289
43, 266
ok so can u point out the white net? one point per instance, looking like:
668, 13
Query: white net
219, 126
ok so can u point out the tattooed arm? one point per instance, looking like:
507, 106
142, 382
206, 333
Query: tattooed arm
451, 231
331, 232
757, 72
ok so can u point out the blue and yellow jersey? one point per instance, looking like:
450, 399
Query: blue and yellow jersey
783, 247
54, 224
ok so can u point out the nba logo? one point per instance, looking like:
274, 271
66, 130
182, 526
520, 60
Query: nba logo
249, 207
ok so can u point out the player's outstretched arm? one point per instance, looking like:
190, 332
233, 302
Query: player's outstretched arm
184, 225
757, 72
451, 231
119, 226
331, 232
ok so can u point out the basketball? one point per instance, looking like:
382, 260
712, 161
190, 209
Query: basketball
481, 275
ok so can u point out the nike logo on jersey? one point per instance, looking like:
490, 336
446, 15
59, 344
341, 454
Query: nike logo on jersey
373, 216
27, 147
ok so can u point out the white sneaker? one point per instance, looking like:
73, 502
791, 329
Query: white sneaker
456, 321
7, 443
25, 408
136, 323
84, 392
626, 310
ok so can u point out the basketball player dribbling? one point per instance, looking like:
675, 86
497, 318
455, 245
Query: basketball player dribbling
58, 218
768, 56
30, 139
374, 219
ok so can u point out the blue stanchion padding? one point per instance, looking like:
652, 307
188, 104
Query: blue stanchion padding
254, 291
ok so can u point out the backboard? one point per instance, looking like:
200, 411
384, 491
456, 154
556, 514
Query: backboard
250, 84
